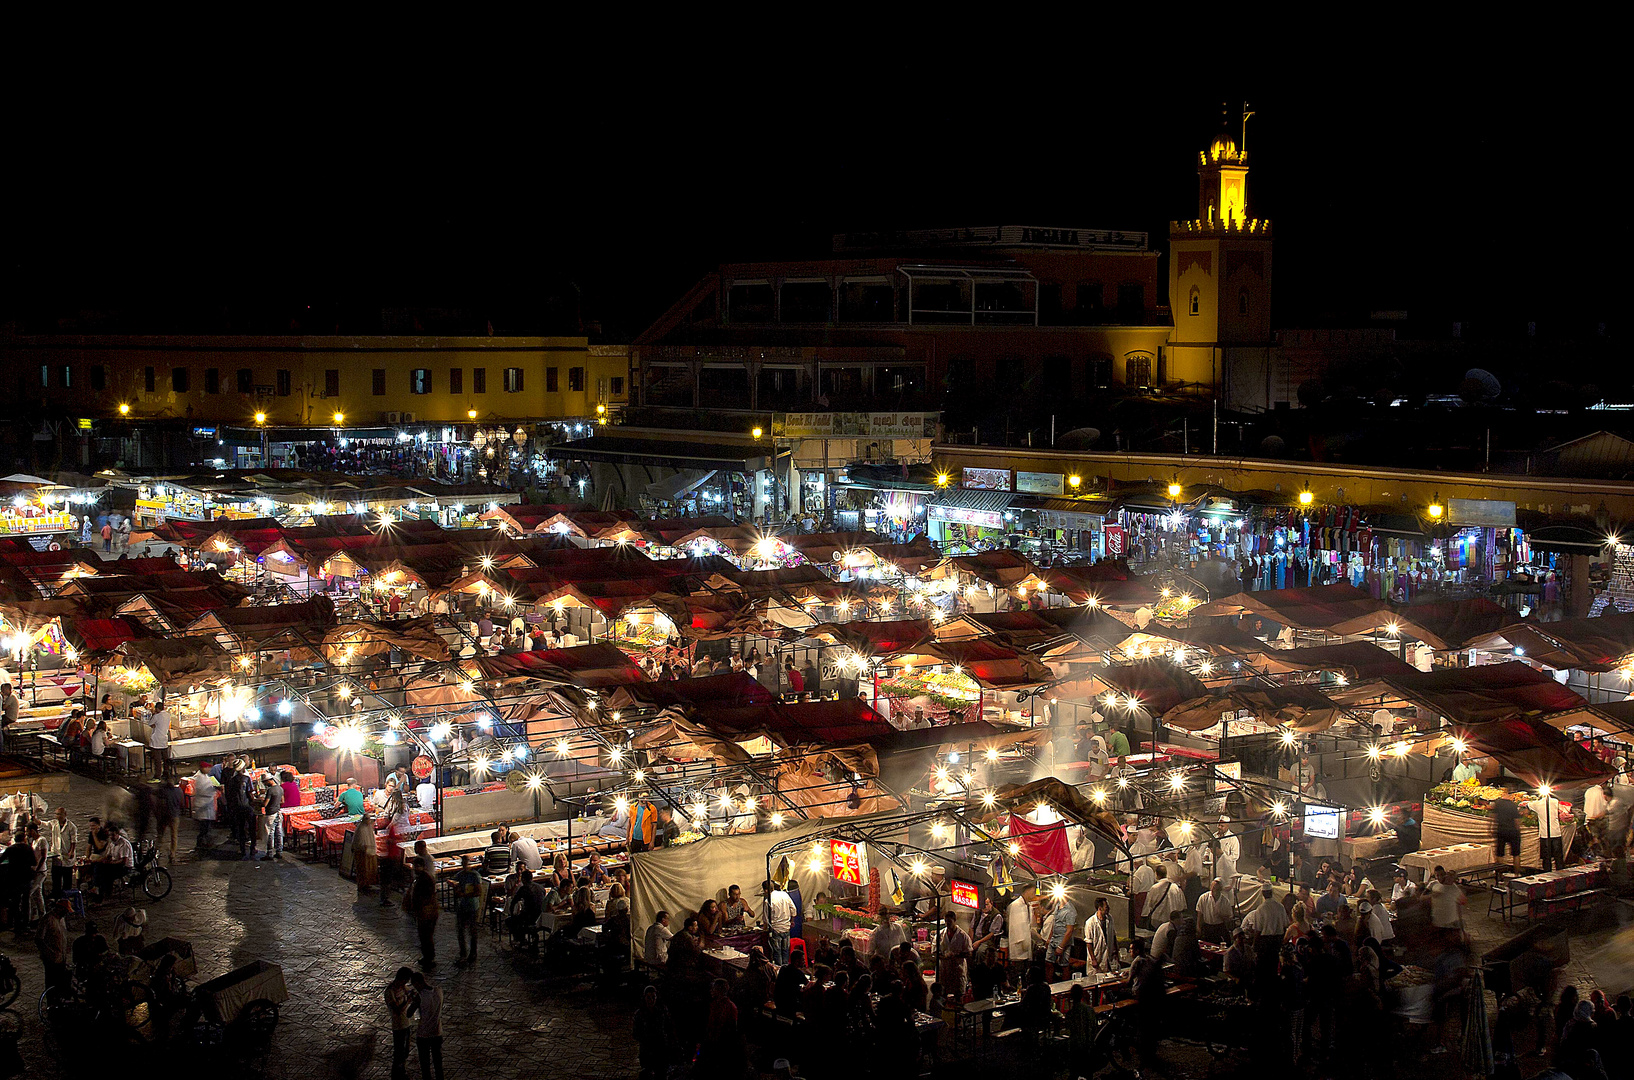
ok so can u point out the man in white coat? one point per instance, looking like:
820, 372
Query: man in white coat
1018, 930
1101, 940
1225, 868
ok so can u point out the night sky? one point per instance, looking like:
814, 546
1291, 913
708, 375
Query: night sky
533, 206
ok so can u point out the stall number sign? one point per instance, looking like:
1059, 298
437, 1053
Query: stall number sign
1115, 547
1322, 822
848, 859
964, 894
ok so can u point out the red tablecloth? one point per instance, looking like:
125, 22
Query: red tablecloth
1552, 883
300, 818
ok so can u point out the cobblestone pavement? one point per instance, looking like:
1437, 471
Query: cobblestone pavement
501, 1018
337, 953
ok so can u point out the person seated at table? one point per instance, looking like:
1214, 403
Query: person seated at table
89, 947
735, 913
709, 922
525, 906
525, 854
596, 872
658, 938
1239, 959
351, 798
811, 994
685, 948
1345, 921
584, 910
617, 903
292, 789
114, 861
1401, 888
1330, 901
1356, 882
101, 742
913, 982
986, 975
755, 986
1032, 1015
561, 874
617, 826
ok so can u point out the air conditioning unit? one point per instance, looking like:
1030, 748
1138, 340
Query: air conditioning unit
391, 417
408, 418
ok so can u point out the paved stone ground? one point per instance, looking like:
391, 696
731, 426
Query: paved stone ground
501, 1019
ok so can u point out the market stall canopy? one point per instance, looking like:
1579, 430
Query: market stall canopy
829, 547
878, 639
173, 662
709, 617
799, 583
847, 720
1490, 692
1018, 629
253, 535
1613, 717
365, 637
1357, 661
1218, 640
1335, 609
1067, 802
591, 667
1535, 752
1302, 708
914, 558
1106, 584
734, 689
1453, 624
990, 664
1100, 630
1156, 685
317, 613
1002, 569
95, 636
1600, 644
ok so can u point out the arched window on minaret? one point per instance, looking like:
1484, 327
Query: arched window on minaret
1242, 301
1196, 300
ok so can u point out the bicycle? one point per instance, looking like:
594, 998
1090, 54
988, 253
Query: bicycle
154, 879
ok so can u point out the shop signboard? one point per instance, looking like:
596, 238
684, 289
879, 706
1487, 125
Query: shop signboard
986, 479
1322, 822
1488, 513
1040, 483
963, 893
869, 425
1115, 543
25, 525
849, 861
986, 519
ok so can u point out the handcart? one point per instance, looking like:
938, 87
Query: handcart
242, 1005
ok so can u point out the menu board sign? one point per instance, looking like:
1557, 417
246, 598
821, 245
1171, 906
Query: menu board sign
987, 479
1040, 483
1322, 822
964, 894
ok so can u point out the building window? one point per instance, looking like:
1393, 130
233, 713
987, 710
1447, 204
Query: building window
331, 383
1138, 372
147, 379
283, 382
99, 377
246, 381
479, 380
1100, 372
513, 380
753, 302
1196, 300
575, 379
552, 383
807, 302
45, 375
617, 386
420, 381
1090, 307
1242, 302
178, 380
379, 386
212, 380
456, 380
1131, 303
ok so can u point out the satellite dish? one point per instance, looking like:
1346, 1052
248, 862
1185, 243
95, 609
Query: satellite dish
1490, 386
1273, 444
1078, 438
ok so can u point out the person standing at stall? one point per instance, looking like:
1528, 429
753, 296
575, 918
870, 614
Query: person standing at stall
421, 902
780, 914
1101, 939
400, 1005
159, 739
956, 949
1506, 831
428, 1032
61, 838
1547, 808
205, 787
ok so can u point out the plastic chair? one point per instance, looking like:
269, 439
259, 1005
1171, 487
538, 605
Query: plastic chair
797, 947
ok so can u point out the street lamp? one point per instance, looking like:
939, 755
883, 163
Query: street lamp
124, 409
1305, 498
260, 418
471, 413
1174, 490
340, 417
942, 479
1435, 507
261, 422
1074, 481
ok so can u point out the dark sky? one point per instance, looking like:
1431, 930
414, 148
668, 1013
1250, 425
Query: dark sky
184, 199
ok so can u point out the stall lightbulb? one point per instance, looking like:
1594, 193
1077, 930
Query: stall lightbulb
1459, 745
440, 731
1206, 668
481, 765
1043, 808
1123, 781
340, 417
345, 693
1400, 749
534, 781
1306, 498
1131, 702
621, 804
918, 868
1164, 592
1543, 790
1015, 848
616, 754
815, 866
1099, 795
1436, 510
520, 752
639, 776
988, 799
1281, 808
284, 707
748, 804
941, 774
615, 717
1185, 828
243, 661
72, 656
124, 409
1393, 629
1376, 815
394, 721
1177, 781
939, 831
1174, 491
777, 820
1058, 891
992, 754
562, 747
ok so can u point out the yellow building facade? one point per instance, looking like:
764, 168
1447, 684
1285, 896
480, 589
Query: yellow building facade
297, 381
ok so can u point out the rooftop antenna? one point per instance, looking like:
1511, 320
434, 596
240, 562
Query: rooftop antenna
1247, 112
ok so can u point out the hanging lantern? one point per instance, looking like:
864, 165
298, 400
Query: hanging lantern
479, 440
519, 436
490, 451
483, 472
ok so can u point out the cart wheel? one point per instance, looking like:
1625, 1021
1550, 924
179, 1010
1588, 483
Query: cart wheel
258, 1020
11, 984
156, 883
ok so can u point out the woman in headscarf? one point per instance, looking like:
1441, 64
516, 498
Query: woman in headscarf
1577, 1054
